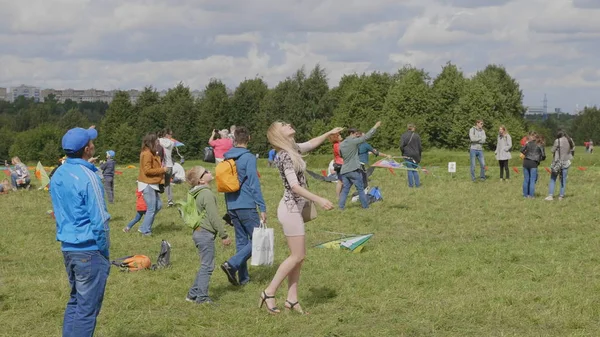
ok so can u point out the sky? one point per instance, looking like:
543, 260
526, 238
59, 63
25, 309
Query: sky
550, 46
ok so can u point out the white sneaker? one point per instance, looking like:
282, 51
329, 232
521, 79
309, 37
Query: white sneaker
549, 198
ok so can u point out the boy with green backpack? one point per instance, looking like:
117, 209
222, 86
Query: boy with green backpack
200, 213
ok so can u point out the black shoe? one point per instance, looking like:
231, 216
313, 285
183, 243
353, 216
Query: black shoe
230, 272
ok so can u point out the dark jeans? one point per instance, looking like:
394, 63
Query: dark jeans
504, 168
353, 178
168, 187
205, 242
87, 272
244, 221
109, 188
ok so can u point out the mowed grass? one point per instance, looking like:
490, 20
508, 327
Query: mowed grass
453, 258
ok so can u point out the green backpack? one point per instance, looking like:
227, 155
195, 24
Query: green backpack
189, 211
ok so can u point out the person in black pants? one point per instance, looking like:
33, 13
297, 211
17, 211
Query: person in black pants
503, 147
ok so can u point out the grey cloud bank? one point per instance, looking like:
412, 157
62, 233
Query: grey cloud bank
550, 46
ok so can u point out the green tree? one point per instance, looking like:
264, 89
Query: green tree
585, 126
181, 116
213, 110
73, 118
447, 89
119, 113
362, 101
245, 110
409, 100
41, 143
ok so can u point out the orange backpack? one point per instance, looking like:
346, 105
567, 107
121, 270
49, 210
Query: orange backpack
133, 263
227, 177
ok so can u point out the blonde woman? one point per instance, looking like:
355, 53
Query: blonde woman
503, 147
19, 175
289, 213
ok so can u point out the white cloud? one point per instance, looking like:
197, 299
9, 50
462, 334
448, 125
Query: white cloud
548, 45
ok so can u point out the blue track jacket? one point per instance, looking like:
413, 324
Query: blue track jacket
250, 195
79, 207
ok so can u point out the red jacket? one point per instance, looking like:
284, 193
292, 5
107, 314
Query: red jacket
140, 203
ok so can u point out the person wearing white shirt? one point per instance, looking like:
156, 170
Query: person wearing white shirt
167, 144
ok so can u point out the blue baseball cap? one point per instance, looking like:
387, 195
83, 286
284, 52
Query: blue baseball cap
78, 138
110, 153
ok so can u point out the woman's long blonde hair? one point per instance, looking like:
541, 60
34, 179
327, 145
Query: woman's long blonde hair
287, 144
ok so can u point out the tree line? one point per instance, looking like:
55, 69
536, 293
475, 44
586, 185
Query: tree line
443, 108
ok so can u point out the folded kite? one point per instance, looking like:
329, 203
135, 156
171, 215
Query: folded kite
354, 244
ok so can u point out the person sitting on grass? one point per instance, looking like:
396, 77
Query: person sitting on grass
205, 233
4, 186
19, 175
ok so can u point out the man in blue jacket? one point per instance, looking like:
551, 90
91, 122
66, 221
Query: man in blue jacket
82, 228
241, 207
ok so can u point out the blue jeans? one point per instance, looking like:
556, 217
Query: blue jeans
153, 204
529, 178
413, 175
244, 221
563, 182
138, 217
353, 178
205, 242
87, 272
13, 179
477, 154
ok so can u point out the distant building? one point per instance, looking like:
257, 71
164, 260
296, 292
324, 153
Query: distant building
25, 91
3, 94
78, 96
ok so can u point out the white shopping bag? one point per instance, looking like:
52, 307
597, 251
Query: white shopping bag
262, 246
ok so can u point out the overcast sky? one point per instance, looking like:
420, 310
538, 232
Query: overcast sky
549, 46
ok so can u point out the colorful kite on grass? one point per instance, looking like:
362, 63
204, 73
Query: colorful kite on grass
354, 244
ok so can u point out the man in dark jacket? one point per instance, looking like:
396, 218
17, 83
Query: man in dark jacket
410, 146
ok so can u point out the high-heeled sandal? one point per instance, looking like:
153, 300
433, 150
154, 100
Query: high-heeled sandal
292, 307
263, 301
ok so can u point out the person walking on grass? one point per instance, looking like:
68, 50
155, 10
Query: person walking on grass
205, 234
108, 173
477, 137
166, 142
561, 160
289, 213
410, 146
140, 208
241, 208
82, 227
363, 156
503, 147
533, 155
338, 161
151, 176
351, 171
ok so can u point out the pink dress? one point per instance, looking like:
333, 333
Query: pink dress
289, 212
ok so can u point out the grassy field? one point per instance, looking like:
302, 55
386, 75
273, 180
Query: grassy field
452, 258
